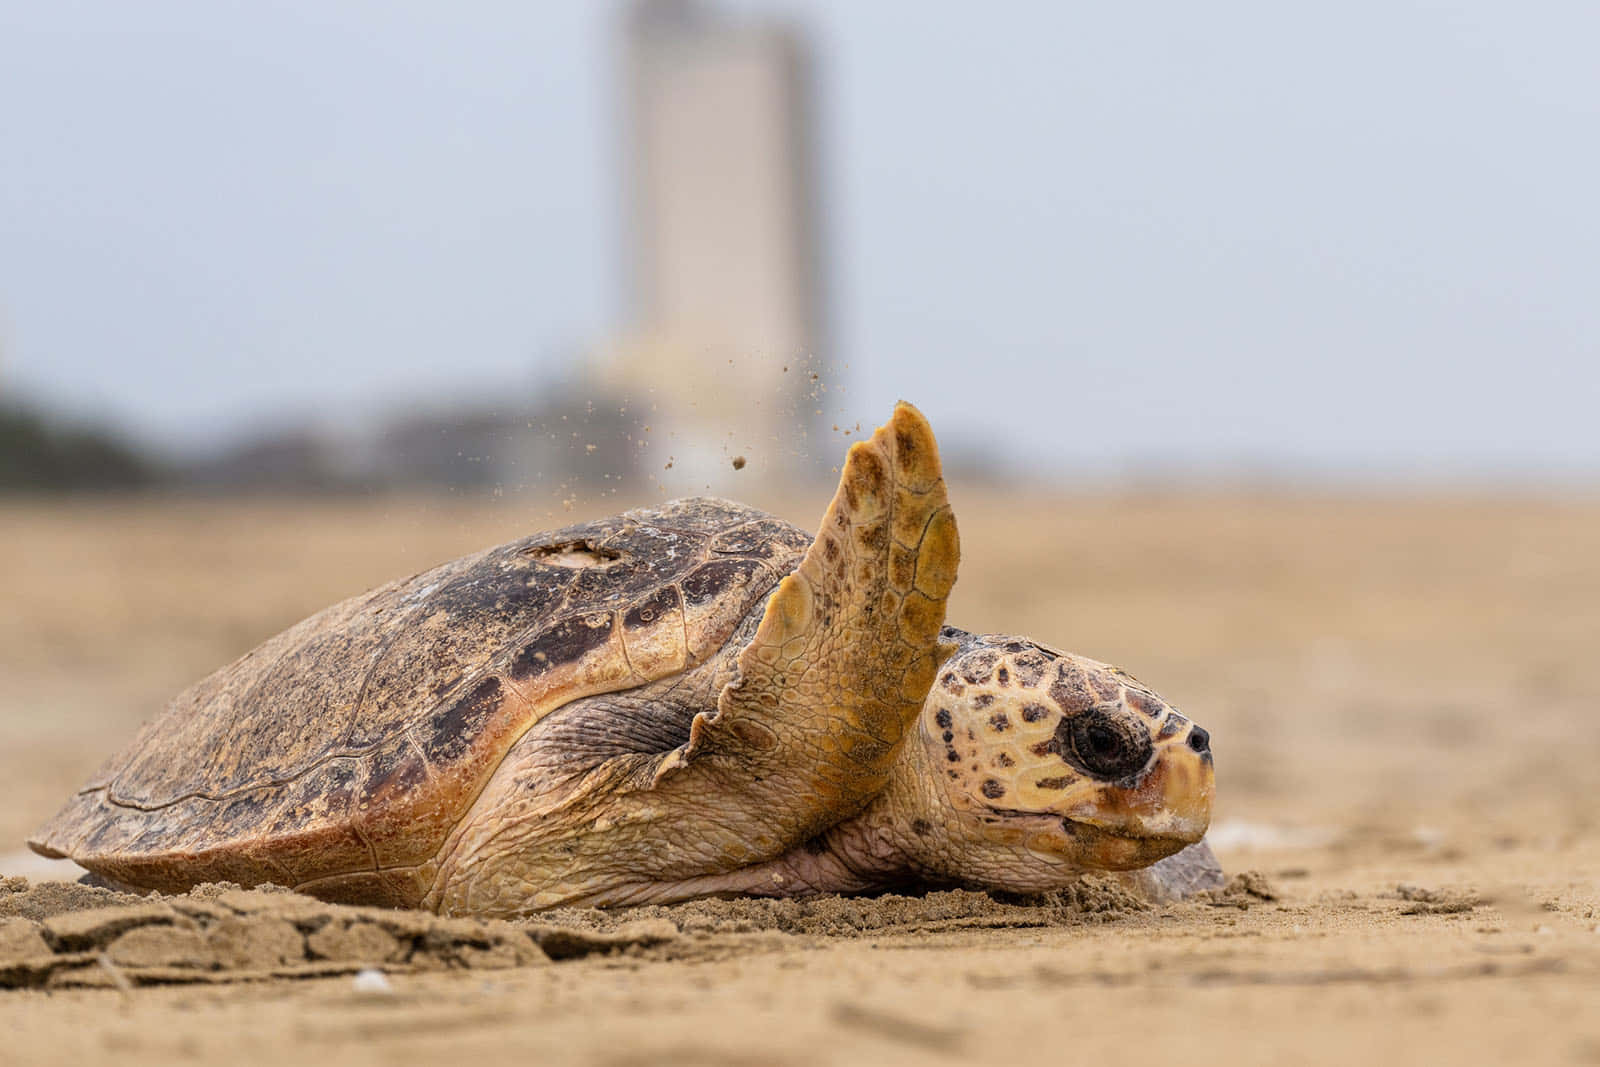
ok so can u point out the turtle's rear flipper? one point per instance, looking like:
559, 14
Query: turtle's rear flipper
848, 647
100, 881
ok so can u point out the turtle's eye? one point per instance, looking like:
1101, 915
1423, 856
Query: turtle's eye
1103, 743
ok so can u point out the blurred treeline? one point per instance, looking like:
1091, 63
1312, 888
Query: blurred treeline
41, 453
551, 439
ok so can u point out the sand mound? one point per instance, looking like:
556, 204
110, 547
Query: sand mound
55, 934
58, 934
21, 900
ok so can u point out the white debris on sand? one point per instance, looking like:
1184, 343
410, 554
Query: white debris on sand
1428, 836
1242, 834
371, 981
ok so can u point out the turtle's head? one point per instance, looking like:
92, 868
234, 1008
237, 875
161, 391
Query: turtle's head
1063, 761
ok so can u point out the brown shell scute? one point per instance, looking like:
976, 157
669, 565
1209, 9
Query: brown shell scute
564, 644
354, 739
448, 733
767, 538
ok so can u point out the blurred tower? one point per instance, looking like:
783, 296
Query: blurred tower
724, 278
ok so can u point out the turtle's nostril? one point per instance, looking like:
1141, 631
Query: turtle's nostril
1199, 740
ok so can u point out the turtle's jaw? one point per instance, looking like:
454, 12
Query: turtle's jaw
1081, 847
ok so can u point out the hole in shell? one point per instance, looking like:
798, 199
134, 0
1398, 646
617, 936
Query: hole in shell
575, 554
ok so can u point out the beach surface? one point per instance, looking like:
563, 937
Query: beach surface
1402, 697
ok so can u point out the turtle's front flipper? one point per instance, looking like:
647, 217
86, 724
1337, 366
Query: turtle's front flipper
847, 649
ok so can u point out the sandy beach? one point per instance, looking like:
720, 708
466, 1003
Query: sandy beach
1400, 695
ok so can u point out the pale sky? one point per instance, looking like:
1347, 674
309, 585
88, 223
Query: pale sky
1360, 237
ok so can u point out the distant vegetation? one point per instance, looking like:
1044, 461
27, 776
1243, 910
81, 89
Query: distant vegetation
552, 440
37, 453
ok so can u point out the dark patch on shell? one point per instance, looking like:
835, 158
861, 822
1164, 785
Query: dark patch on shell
398, 776
1055, 783
1034, 712
249, 811
983, 700
999, 721
711, 580
596, 584
942, 717
645, 613
564, 643
451, 730
993, 789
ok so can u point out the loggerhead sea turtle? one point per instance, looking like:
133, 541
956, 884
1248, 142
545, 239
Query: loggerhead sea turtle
683, 700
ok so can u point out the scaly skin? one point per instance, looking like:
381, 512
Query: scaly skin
927, 827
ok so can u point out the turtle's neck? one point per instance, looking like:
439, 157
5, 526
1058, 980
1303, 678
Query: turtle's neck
901, 839
913, 834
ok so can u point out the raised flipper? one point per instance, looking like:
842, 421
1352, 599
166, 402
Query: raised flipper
848, 647
803, 735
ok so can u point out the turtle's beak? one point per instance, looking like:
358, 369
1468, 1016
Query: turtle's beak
1187, 785
1171, 802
